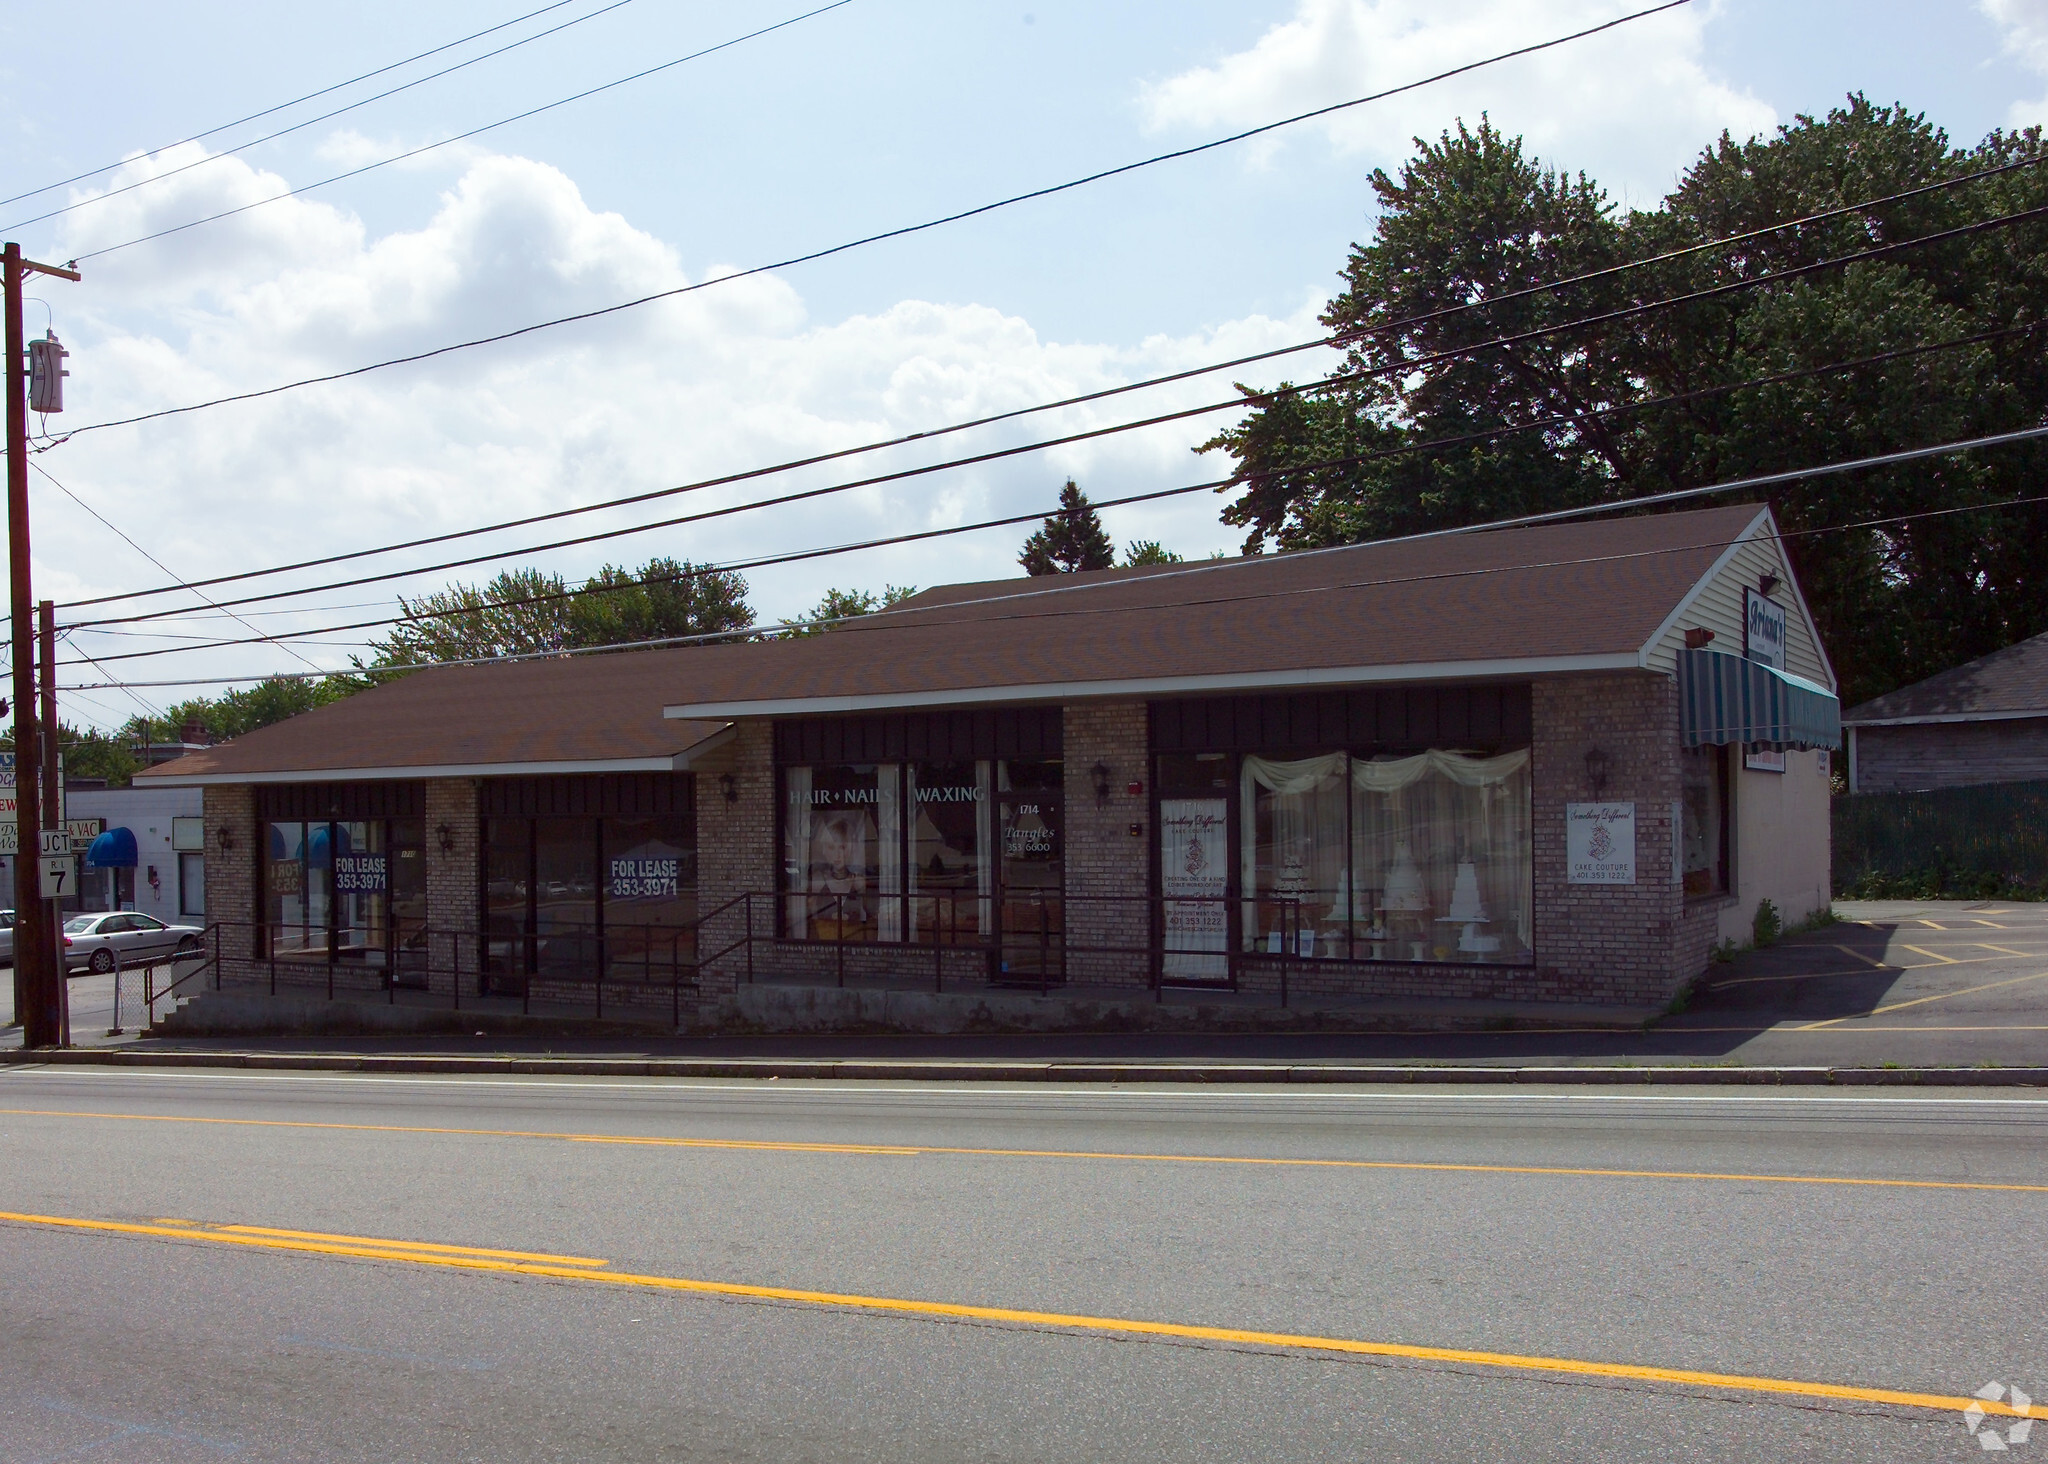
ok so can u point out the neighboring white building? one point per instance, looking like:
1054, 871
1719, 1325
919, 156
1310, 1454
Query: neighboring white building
168, 879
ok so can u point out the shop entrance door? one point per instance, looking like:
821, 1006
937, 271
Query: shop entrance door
1031, 886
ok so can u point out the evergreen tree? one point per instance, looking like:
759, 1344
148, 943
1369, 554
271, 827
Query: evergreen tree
1070, 540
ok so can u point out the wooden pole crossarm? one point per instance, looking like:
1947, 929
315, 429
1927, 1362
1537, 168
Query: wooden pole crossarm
61, 271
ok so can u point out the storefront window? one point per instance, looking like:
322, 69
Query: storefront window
1703, 830
565, 896
1420, 858
559, 893
361, 868
843, 852
349, 890
957, 852
296, 882
1442, 854
508, 888
1294, 854
650, 895
951, 872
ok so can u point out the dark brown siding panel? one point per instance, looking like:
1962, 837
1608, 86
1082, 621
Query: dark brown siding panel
1393, 720
588, 796
340, 800
920, 736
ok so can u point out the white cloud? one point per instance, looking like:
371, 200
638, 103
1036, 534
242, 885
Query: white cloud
1632, 106
710, 382
2023, 30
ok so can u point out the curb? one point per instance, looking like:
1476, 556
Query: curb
884, 1070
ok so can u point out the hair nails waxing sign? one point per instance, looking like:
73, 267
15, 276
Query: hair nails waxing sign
1600, 843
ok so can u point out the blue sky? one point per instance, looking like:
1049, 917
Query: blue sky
873, 115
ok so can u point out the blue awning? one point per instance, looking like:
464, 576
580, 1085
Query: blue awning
1724, 698
115, 849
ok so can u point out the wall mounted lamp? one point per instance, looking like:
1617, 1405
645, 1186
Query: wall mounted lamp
226, 836
729, 786
447, 837
1766, 582
1596, 770
1696, 638
1100, 773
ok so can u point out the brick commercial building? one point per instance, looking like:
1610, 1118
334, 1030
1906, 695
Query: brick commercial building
1557, 762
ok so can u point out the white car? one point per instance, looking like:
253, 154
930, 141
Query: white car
94, 942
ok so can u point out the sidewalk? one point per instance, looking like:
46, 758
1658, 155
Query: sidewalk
1922, 986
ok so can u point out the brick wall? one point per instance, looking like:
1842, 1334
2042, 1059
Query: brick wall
1618, 944
452, 885
1950, 755
735, 849
231, 873
1103, 857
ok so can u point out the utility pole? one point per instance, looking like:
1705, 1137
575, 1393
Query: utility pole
38, 989
53, 808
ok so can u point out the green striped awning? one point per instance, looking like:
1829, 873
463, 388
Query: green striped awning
1724, 698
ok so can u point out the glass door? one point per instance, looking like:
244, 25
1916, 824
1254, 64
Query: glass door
1028, 811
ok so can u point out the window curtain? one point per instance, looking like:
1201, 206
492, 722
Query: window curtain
985, 845
1294, 875
1441, 847
889, 833
796, 851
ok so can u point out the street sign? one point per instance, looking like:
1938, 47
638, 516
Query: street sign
51, 843
84, 830
57, 870
9, 843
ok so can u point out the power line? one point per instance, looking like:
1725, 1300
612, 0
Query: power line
881, 619
1086, 397
295, 101
459, 137
1403, 366
887, 234
123, 536
1358, 459
301, 126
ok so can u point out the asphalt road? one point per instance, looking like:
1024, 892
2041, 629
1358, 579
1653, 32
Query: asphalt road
989, 1273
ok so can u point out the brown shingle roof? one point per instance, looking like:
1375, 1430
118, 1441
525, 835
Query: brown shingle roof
544, 714
2005, 683
1526, 598
1502, 602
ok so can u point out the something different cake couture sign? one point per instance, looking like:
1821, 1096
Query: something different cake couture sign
1600, 843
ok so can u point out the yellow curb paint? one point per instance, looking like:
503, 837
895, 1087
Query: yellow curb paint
1065, 1321
1103, 1155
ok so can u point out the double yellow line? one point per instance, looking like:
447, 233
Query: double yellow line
586, 1269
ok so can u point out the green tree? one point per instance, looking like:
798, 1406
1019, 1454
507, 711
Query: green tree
845, 604
1148, 551
1563, 419
525, 611
1070, 540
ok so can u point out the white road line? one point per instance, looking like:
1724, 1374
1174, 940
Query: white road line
822, 1087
